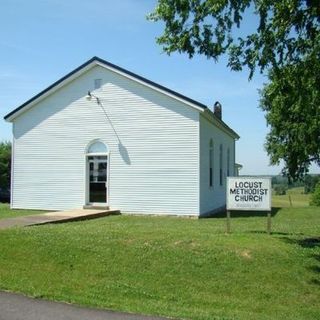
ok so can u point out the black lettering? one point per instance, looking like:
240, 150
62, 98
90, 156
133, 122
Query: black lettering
234, 191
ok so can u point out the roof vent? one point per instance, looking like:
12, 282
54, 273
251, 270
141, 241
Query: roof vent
217, 110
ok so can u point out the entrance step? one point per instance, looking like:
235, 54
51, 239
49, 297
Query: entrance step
56, 217
89, 206
96, 213
83, 214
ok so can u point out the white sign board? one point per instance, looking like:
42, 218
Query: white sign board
248, 193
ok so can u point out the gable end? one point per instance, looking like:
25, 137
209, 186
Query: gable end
98, 61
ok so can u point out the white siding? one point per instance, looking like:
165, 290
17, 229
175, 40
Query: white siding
212, 198
153, 142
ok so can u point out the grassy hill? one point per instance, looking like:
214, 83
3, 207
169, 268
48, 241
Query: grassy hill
295, 197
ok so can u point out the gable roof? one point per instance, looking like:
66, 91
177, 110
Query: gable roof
98, 61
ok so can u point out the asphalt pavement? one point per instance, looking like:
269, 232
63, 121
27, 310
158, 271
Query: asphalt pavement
18, 307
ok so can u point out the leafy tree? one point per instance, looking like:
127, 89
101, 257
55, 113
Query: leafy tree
315, 197
287, 30
285, 45
292, 105
5, 164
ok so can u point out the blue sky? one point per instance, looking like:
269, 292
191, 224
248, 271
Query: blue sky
41, 41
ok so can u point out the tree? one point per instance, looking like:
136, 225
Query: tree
5, 164
285, 45
292, 104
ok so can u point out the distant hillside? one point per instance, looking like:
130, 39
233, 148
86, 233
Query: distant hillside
281, 183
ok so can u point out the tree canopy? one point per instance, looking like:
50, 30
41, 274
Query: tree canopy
285, 45
291, 101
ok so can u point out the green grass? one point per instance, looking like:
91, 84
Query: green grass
298, 198
182, 268
6, 212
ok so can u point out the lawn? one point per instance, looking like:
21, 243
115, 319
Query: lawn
182, 268
5, 212
294, 197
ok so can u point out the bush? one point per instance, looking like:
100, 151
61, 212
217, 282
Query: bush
310, 182
315, 197
280, 189
5, 164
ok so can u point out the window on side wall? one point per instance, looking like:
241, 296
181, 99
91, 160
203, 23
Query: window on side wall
228, 162
211, 163
221, 165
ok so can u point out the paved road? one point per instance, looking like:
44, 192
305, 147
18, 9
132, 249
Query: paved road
19, 307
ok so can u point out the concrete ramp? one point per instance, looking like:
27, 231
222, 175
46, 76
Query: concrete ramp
56, 217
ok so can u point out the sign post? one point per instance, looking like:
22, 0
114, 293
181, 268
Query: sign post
228, 222
269, 223
249, 194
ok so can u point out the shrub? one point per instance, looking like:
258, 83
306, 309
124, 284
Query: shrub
5, 164
315, 197
310, 182
280, 189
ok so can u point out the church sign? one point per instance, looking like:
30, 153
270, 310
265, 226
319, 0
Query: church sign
249, 193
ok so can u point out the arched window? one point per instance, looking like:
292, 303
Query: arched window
211, 163
97, 147
221, 165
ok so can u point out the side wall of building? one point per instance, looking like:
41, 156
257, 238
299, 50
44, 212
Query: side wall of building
214, 197
153, 141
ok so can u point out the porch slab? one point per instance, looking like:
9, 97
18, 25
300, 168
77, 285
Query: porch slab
56, 217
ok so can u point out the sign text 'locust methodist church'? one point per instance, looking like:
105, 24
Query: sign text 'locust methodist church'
249, 193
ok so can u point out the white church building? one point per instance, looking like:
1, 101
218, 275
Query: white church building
104, 136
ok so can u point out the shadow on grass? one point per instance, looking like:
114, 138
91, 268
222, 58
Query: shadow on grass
312, 244
246, 214
278, 233
305, 243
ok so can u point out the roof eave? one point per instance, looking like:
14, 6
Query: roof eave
211, 116
49, 90
88, 65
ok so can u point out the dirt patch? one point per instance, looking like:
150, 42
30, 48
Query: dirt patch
246, 254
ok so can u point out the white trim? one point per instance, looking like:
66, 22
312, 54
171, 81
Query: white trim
97, 204
207, 114
234, 158
87, 197
12, 166
150, 86
51, 91
199, 164
96, 153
